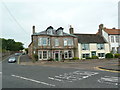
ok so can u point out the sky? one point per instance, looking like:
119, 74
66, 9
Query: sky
18, 16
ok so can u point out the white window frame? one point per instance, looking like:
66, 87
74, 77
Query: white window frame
101, 55
40, 52
84, 46
70, 42
112, 39
85, 55
40, 41
99, 46
56, 42
117, 38
68, 54
65, 41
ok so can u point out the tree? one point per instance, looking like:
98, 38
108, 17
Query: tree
26, 49
11, 45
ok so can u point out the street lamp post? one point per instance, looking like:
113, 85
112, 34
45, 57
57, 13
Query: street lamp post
119, 56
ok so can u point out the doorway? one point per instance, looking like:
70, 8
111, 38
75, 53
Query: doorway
93, 53
56, 56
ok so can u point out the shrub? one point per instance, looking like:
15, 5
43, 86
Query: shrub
88, 58
51, 59
94, 57
35, 57
75, 58
109, 55
116, 55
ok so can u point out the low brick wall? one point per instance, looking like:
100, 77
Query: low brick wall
2, 55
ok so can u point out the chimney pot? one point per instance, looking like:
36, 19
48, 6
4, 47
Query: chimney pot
33, 29
101, 27
71, 30
113, 28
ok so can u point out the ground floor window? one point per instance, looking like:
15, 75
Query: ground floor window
40, 54
85, 55
101, 54
68, 54
43, 55
57, 55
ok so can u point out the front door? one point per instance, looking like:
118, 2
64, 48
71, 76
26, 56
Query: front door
93, 53
56, 56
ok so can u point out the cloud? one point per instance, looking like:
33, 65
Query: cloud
83, 15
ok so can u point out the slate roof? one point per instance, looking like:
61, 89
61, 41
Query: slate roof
90, 38
54, 33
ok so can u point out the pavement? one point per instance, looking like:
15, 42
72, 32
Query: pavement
103, 64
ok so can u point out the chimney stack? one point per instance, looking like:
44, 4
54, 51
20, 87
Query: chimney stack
71, 30
113, 28
101, 27
33, 29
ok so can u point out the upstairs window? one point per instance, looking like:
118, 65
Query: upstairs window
85, 46
43, 41
117, 38
68, 42
60, 32
112, 39
65, 42
56, 42
50, 31
100, 46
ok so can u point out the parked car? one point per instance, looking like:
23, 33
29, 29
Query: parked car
12, 60
17, 54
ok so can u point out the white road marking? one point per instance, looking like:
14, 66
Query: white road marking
55, 79
73, 76
28, 79
109, 80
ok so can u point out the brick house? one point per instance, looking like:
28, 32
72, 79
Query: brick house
112, 36
52, 43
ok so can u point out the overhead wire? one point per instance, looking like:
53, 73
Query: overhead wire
14, 18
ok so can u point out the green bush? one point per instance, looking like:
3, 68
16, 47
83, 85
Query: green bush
109, 55
94, 57
88, 58
51, 59
75, 58
116, 55
35, 57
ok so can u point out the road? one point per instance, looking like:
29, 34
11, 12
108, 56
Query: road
29, 76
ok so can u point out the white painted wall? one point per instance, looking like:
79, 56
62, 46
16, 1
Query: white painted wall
108, 39
93, 47
113, 44
105, 35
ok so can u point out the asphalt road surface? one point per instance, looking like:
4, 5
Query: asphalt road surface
28, 76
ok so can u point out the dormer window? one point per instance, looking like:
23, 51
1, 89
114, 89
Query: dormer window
49, 30
59, 31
